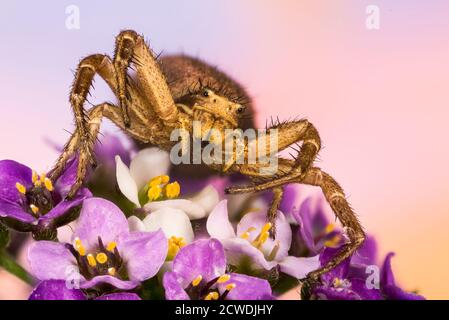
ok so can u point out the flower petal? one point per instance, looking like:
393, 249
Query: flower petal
247, 288
367, 253
203, 257
283, 232
173, 288
143, 252
340, 271
192, 209
218, 224
111, 146
239, 250
299, 267
207, 198
330, 293
15, 217
116, 282
50, 260
55, 290
388, 283
67, 178
59, 215
100, 218
135, 224
303, 217
147, 164
126, 182
173, 222
119, 296
12, 172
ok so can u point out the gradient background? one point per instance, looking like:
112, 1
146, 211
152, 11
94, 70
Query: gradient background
379, 98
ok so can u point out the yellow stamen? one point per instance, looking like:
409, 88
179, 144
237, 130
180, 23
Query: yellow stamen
34, 177
212, 296
48, 184
172, 190
159, 180
174, 245
42, 177
34, 208
329, 228
244, 235
111, 271
91, 260
154, 192
333, 242
261, 239
111, 246
21, 188
101, 258
197, 280
266, 228
79, 247
274, 251
224, 278
230, 286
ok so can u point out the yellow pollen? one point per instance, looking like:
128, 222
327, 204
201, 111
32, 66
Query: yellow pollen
212, 296
197, 280
91, 260
79, 247
266, 228
332, 242
42, 177
230, 286
172, 190
111, 246
329, 228
34, 208
261, 239
21, 188
244, 235
224, 278
111, 271
34, 177
154, 192
48, 184
101, 258
156, 181
174, 244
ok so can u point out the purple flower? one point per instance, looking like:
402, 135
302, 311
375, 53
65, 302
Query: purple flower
199, 273
314, 230
388, 283
252, 240
103, 250
30, 202
58, 290
350, 279
338, 285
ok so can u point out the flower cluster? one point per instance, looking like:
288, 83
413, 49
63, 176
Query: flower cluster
138, 234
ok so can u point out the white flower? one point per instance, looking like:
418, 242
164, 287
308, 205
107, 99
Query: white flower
153, 162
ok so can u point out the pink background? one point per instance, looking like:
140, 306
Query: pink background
379, 98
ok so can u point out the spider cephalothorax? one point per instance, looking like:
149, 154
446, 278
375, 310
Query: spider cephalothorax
173, 93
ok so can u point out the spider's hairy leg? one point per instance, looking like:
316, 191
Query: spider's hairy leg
335, 196
289, 133
278, 192
87, 68
84, 148
131, 48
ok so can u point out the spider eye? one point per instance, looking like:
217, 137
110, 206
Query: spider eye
205, 93
240, 109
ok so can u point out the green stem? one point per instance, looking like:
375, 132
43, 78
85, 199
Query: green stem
9, 264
